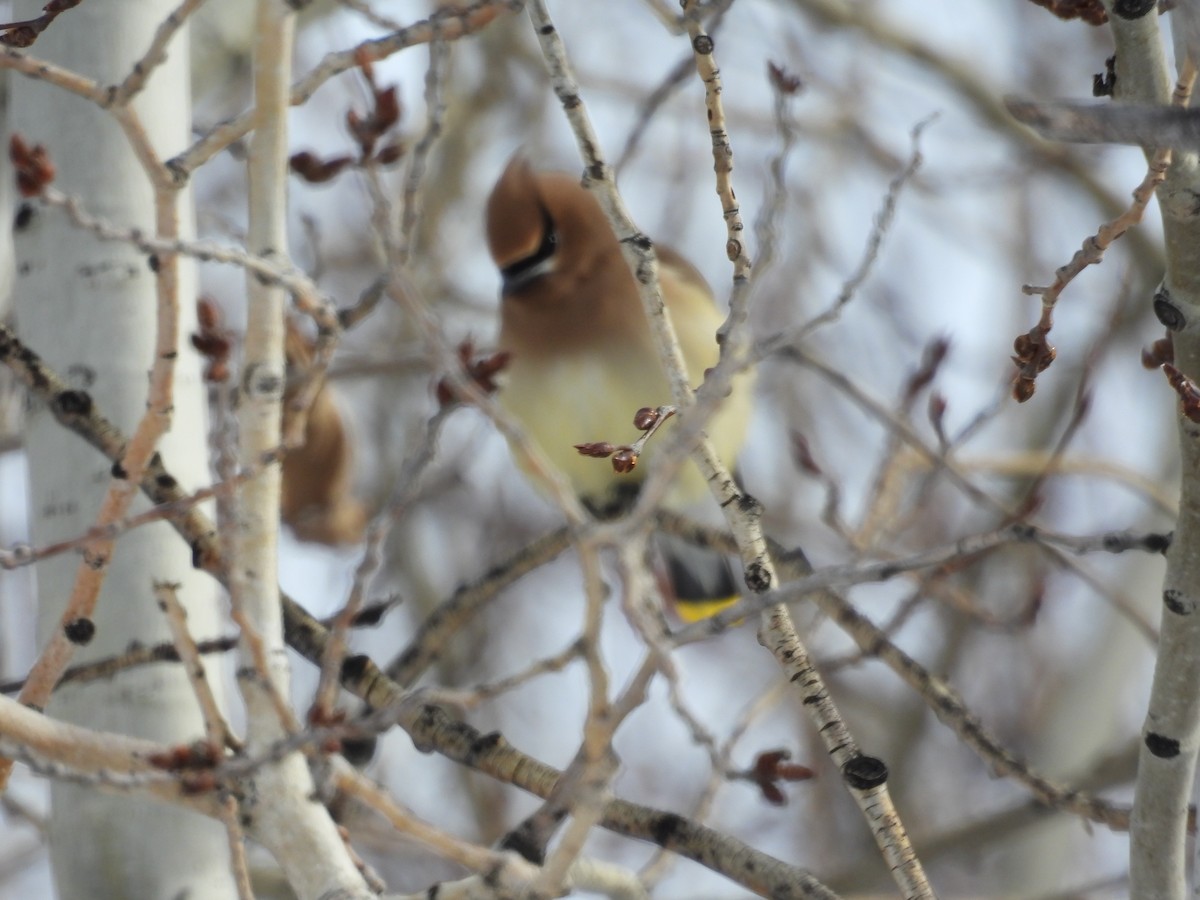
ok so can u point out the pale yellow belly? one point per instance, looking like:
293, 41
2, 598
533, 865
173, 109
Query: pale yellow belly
586, 398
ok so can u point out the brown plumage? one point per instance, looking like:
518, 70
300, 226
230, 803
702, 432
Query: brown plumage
315, 496
583, 357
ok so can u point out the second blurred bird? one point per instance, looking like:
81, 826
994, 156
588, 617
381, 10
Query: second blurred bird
583, 359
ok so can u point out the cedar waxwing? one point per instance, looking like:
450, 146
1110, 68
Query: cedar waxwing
583, 360
315, 494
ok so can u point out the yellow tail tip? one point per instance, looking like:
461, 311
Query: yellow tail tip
696, 610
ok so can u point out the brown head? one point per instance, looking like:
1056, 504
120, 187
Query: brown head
560, 264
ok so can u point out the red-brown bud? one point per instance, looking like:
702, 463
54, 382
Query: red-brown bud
1046, 357
315, 170
1161, 351
208, 313
771, 767
390, 154
212, 344
217, 372
598, 449
1189, 393
645, 418
624, 461
782, 80
32, 164
482, 371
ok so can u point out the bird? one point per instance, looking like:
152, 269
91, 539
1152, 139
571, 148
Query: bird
316, 497
582, 359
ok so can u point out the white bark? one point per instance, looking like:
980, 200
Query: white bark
280, 811
1171, 733
89, 308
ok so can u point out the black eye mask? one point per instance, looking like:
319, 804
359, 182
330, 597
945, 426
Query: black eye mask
539, 263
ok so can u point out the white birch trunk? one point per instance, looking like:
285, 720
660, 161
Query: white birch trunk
89, 308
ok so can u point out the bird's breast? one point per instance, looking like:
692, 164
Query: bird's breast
579, 398
580, 372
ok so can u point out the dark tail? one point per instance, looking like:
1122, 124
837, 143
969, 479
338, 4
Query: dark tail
700, 582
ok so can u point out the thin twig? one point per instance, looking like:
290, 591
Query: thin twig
216, 729
449, 23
